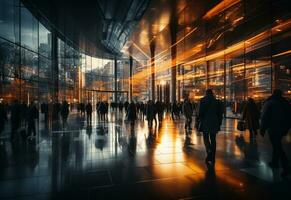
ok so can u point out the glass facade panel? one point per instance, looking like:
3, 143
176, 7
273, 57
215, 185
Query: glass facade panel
29, 30
9, 59
9, 20
44, 41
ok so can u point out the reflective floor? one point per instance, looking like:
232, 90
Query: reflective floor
110, 160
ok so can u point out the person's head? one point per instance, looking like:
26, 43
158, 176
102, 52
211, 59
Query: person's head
209, 92
277, 93
251, 100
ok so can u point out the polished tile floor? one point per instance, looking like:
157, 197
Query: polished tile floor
111, 160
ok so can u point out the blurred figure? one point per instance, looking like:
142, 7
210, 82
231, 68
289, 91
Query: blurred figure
276, 120
3, 117
89, 110
45, 110
210, 116
131, 114
32, 115
251, 115
175, 110
65, 112
15, 118
187, 109
150, 113
159, 110
101, 110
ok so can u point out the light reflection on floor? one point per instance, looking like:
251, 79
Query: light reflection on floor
112, 160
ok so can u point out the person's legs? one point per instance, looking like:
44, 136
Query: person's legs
189, 123
213, 146
207, 144
282, 155
275, 156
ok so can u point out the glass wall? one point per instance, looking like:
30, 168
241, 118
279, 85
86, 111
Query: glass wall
239, 49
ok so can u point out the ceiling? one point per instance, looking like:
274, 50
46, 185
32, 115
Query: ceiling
100, 28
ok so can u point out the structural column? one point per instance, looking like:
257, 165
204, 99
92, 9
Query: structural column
55, 67
130, 78
152, 49
115, 80
173, 29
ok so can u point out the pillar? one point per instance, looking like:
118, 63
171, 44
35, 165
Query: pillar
173, 30
130, 78
152, 49
55, 68
115, 80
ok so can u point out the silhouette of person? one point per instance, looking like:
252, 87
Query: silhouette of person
131, 114
276, 121
15, 118
210, 116
188, 112
64, 112
3, 117
89, 110
32, 115
251, 115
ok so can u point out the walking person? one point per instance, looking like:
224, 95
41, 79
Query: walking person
3, 118
276, 121
251, 115
150, 113
15, 118
64, 112
32, 115
89, 110
131, 114
187, 109
210, 116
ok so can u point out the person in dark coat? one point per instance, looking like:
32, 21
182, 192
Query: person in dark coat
131, 113
89, 110
150, 113
32, 115
276, 121
251, 115
3, 117
15, 118
210, 117
65, 112
159, 110
187, 110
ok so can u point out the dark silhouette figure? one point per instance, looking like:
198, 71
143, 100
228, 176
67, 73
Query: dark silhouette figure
150, 113
131, 114
64, 112
188, 112
276, 120
251, 115
89, 110
3, 117
210, 116
32, 115
159, 110
44, 108
15, 118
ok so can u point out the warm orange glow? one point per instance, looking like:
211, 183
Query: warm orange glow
223, 5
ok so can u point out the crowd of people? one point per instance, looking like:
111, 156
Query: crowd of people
273, 116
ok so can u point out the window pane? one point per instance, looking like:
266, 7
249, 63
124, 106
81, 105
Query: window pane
9, 15
29, 30
9, 59
44, 41
29, 63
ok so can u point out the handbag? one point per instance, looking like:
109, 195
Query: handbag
241, 125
